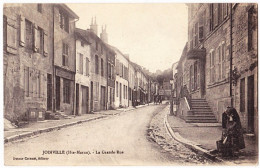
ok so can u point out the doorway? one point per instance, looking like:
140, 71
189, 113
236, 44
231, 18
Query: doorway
49, 92
77, 99
85, 95
103, 98
91, 96
250, 102
57, 93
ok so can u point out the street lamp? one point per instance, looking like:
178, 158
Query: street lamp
171, 105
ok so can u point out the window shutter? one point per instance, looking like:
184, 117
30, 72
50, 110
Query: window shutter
35, 38
22, 31
11, 36
45, 44
87, 67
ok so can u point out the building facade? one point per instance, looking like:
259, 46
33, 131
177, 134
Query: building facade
244, 64
219, 62
121, 81
82, 77
28, 56
64, 58
98, 72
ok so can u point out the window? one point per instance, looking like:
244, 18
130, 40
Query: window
64, 21
40, 38
5, 32
39, 8
96, 45
102, 67
251, 26
109, 71
116, 89
124, 91
26, 81
29, 35
225, 10
212, 66
66, 91
215, 14
80, 63
87, 67
65, 54
242, 95
196, 39
191, 77
96, 64
223, 60
219, 63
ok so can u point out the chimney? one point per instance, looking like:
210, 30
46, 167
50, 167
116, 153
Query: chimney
103, 34
94, 26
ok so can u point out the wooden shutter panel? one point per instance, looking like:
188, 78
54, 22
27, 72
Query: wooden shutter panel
35, 38
22, 31
87, 67
11, 36
45, 44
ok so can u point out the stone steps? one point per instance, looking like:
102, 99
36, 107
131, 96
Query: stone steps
200, 112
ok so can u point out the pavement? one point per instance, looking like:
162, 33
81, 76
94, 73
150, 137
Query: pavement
203, 136
34, 128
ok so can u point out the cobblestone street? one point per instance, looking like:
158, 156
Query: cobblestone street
157, 133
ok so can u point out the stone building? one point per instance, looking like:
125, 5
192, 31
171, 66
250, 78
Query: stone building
28, 57
101, 87
64, 58
82, 77
244, 64
218, 65
110, 54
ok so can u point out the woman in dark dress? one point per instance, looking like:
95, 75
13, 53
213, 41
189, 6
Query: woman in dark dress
232, 135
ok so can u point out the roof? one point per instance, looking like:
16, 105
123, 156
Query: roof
80, 33
91, 34
71, 13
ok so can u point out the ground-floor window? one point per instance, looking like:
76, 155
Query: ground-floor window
66, 91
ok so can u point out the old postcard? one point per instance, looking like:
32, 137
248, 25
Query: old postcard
130, 84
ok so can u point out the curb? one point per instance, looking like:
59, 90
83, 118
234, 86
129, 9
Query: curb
191, 145
49, 129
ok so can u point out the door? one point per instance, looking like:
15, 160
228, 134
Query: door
91, 96
77, 99
84, 99
103, 98
57, 93
49, 92
250, 103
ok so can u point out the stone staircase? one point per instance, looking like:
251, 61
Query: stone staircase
200, 112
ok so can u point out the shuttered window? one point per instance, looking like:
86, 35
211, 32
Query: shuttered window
87, 67
29, 35
242, 95
10, 31
26, 81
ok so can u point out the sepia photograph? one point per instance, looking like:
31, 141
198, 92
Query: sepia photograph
130, 84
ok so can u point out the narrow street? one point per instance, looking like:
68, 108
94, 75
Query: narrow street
116, 140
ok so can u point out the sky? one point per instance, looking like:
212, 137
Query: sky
153, 34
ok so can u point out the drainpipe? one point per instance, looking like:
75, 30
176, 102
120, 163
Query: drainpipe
231, 56
53, 66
